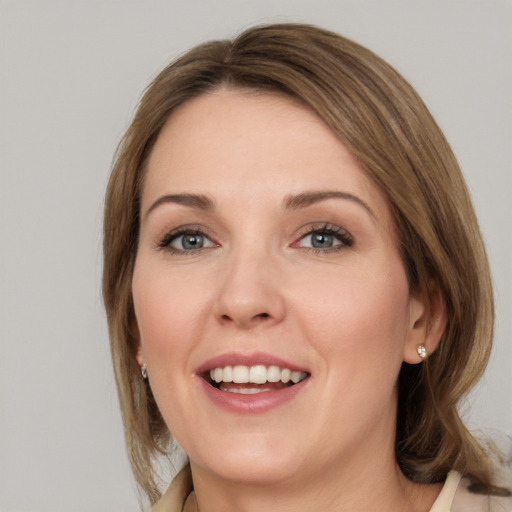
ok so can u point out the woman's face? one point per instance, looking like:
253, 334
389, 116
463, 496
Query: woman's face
266, 254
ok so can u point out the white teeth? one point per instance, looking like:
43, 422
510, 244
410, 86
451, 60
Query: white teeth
240, 374
296, 377
257, 374
244, 391
227, 374
274, 374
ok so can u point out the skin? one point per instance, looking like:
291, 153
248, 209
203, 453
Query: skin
345, 313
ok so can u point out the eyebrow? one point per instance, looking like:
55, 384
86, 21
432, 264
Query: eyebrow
198, 201
291, 202
308, 198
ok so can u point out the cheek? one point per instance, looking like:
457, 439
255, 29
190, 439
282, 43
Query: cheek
360, 330
167, 310
359, 313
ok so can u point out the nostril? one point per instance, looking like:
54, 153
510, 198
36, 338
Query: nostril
261, 316
246, 321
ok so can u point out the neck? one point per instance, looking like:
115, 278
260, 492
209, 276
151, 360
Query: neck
361, 482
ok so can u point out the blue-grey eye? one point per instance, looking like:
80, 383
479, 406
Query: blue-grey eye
321, 240
191, 241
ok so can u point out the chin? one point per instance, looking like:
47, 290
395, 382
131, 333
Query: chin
254, 472
252, 463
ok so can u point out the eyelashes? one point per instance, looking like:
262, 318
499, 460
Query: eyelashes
317, 238
324, 238
188, 240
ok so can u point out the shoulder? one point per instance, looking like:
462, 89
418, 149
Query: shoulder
468, 499
174, 497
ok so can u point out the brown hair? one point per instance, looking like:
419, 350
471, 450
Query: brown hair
379, 117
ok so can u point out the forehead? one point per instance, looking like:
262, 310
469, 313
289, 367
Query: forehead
242, 143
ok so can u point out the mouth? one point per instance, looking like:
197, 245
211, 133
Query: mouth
250, 380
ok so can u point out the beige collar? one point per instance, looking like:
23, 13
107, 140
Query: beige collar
444, 501
180, 496
173, 500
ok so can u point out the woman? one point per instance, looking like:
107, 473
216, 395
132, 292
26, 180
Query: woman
295, 283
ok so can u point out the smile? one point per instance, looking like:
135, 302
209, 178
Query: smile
254, 379
251, 383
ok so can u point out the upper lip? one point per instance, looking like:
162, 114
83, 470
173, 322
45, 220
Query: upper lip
253, 359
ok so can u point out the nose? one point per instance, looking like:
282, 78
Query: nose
250, 293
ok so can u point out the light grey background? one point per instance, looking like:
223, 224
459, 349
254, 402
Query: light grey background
71, 74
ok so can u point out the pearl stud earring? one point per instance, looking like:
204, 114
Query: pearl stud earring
422, 351
144, 371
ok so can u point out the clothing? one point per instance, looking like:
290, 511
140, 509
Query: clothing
467, 501
455, 496
179, 496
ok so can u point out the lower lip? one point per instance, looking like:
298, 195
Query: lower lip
251, 404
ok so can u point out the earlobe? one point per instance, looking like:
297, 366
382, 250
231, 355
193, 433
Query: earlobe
135, 333
427, 323
139, 356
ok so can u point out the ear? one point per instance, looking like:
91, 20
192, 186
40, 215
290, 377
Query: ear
134, 331
140, 356
427, 323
